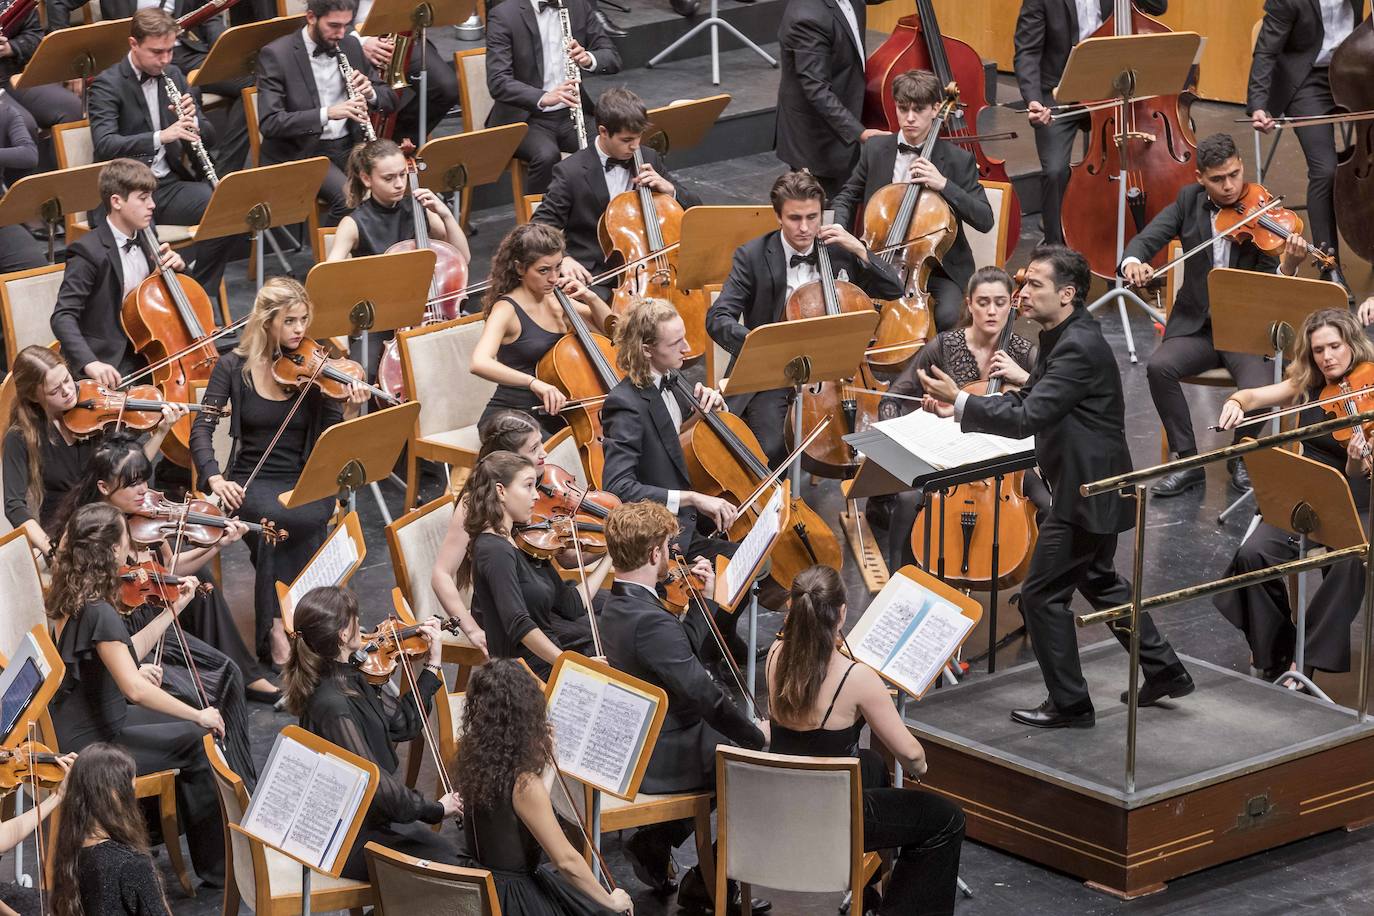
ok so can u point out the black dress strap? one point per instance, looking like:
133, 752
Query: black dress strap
831, 708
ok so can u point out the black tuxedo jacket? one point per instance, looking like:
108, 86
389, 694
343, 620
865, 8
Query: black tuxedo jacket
85, 320
515, 59
1188, 220
1072, 404
577, 197
121, 126
29, 34
289, 101
821, 91
964, 193
1289, 39
643, 639
1046, 31
198, 40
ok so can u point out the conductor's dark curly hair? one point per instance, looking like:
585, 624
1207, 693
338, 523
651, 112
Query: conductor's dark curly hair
505, 734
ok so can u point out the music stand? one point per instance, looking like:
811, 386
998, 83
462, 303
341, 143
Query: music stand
353, 453
1127, 67
459, 162
395, 16
683, 125
49, 196
786, 355
714, 23
1261, 314
1313, 501
79, 52
235, 53
710, 236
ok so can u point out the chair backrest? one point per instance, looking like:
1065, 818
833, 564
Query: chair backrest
21, 590
324, 240
250, 117
246, 857
473, 94
528, 203
27, 300
989, 248
73, 144
561, 449
413, 887
414, 540
291, 7
717, 357
433, 357
765, 838
449, 711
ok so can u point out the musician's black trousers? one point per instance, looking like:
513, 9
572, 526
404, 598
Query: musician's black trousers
1318, 143
947, 301
1054, 146
551, 133
182, 203
442, 89
1189, 354
1068, 558
765, 413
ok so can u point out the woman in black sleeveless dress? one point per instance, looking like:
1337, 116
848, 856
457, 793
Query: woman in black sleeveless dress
524, 321
819, 701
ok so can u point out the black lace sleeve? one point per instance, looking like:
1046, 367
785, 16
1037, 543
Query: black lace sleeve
395, 802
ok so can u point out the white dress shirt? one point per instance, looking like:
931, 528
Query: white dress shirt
617, 179
1089, 17
167, 5
555, 53
674, 500
848, 10
149, 87
901, 165
330, 86
132, 260
798, 275
1337, 23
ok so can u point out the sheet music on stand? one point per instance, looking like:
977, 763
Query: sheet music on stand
333, 564
922, 446
740, 571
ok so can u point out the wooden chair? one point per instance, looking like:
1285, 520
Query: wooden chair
717, 357
436, 363
413, 887
528, 204
763, 837
250, 116
561, 450
476, 104
21, 590
263, 879
324, 240
989, 248
27, 301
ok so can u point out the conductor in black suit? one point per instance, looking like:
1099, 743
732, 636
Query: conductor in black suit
767, 270
643, 639
304, 109
131, 117
1187, 347
1046, 31
526, 62
821, 91
586, 182
951, 171
1073, 405
1289, 76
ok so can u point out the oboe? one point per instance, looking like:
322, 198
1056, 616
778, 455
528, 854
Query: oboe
206, 166
346, 71
573, 73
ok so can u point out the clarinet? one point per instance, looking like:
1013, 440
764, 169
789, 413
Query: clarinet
206, 166
346, 71
573, 73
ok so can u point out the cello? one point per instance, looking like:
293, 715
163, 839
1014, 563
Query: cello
643, 226
1351, 89
917, 44
582, 366
450, 276
167, 317
1152, 140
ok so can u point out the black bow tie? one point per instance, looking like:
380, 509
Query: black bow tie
666, 382
809, 258
626, 164
549, 5
1212, 206
323, 50
906, 150
130, 244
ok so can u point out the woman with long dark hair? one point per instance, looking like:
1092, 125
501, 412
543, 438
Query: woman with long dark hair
819, 702
509, 818
107, 694
101, 864
334, 700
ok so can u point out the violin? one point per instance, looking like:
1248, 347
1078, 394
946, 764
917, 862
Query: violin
582, 366
548, 537
196, 521
1360, 375
450, 277
1152, 140
1352, 91
311, 364
1269, 233
559, 493
138, 408
168, 319
917, 44
679, 586
28, 762
685, 586
904, 224
149, 582
724, 459
391, 640
643, 226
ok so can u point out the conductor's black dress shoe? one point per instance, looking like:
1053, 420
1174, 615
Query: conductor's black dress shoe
1047, 715
1174, 681
1179, 482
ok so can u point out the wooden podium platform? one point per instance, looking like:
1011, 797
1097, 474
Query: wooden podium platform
1238, 767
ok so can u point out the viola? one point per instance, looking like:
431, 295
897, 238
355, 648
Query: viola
168, 319
196, 521
1153, 139
149, 582
644, 226
917, 44
28, 762
1351, 400
139, 408
311, 364
582, 366
392, 639
1353, 91
450, 276
548, 537
724, 459
1270, 232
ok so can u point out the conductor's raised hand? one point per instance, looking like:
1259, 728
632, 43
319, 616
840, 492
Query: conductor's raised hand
939, 408
708, 399
937, 384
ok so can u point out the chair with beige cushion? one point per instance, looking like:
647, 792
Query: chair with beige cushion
21, 590
989, 248
27, 301
407, 886
476, 104
717, 357
562, 451
413, 540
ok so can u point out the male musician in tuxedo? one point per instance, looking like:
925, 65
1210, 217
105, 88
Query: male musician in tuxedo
1046, 31
131, 116
104, 266
441, 80
588, 180
304, 108
764, 274
526, 75
1288, 76
645, 640
1073, 405
951, 171
821, 90
1187, 347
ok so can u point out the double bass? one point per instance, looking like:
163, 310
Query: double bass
1352, 90
582, 366
644, 226
917, 44
1152, 139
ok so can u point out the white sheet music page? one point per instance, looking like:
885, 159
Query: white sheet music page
599, 727
281, 791
940, 443
908, 633
739, 571
330, 800
329, 567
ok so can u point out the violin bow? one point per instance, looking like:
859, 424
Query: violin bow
783, 468
1315, 120
281, 430
431, 743
582, 574
1320, 402
38, 819
699, 601
209, 338
1274, 202
582, 828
